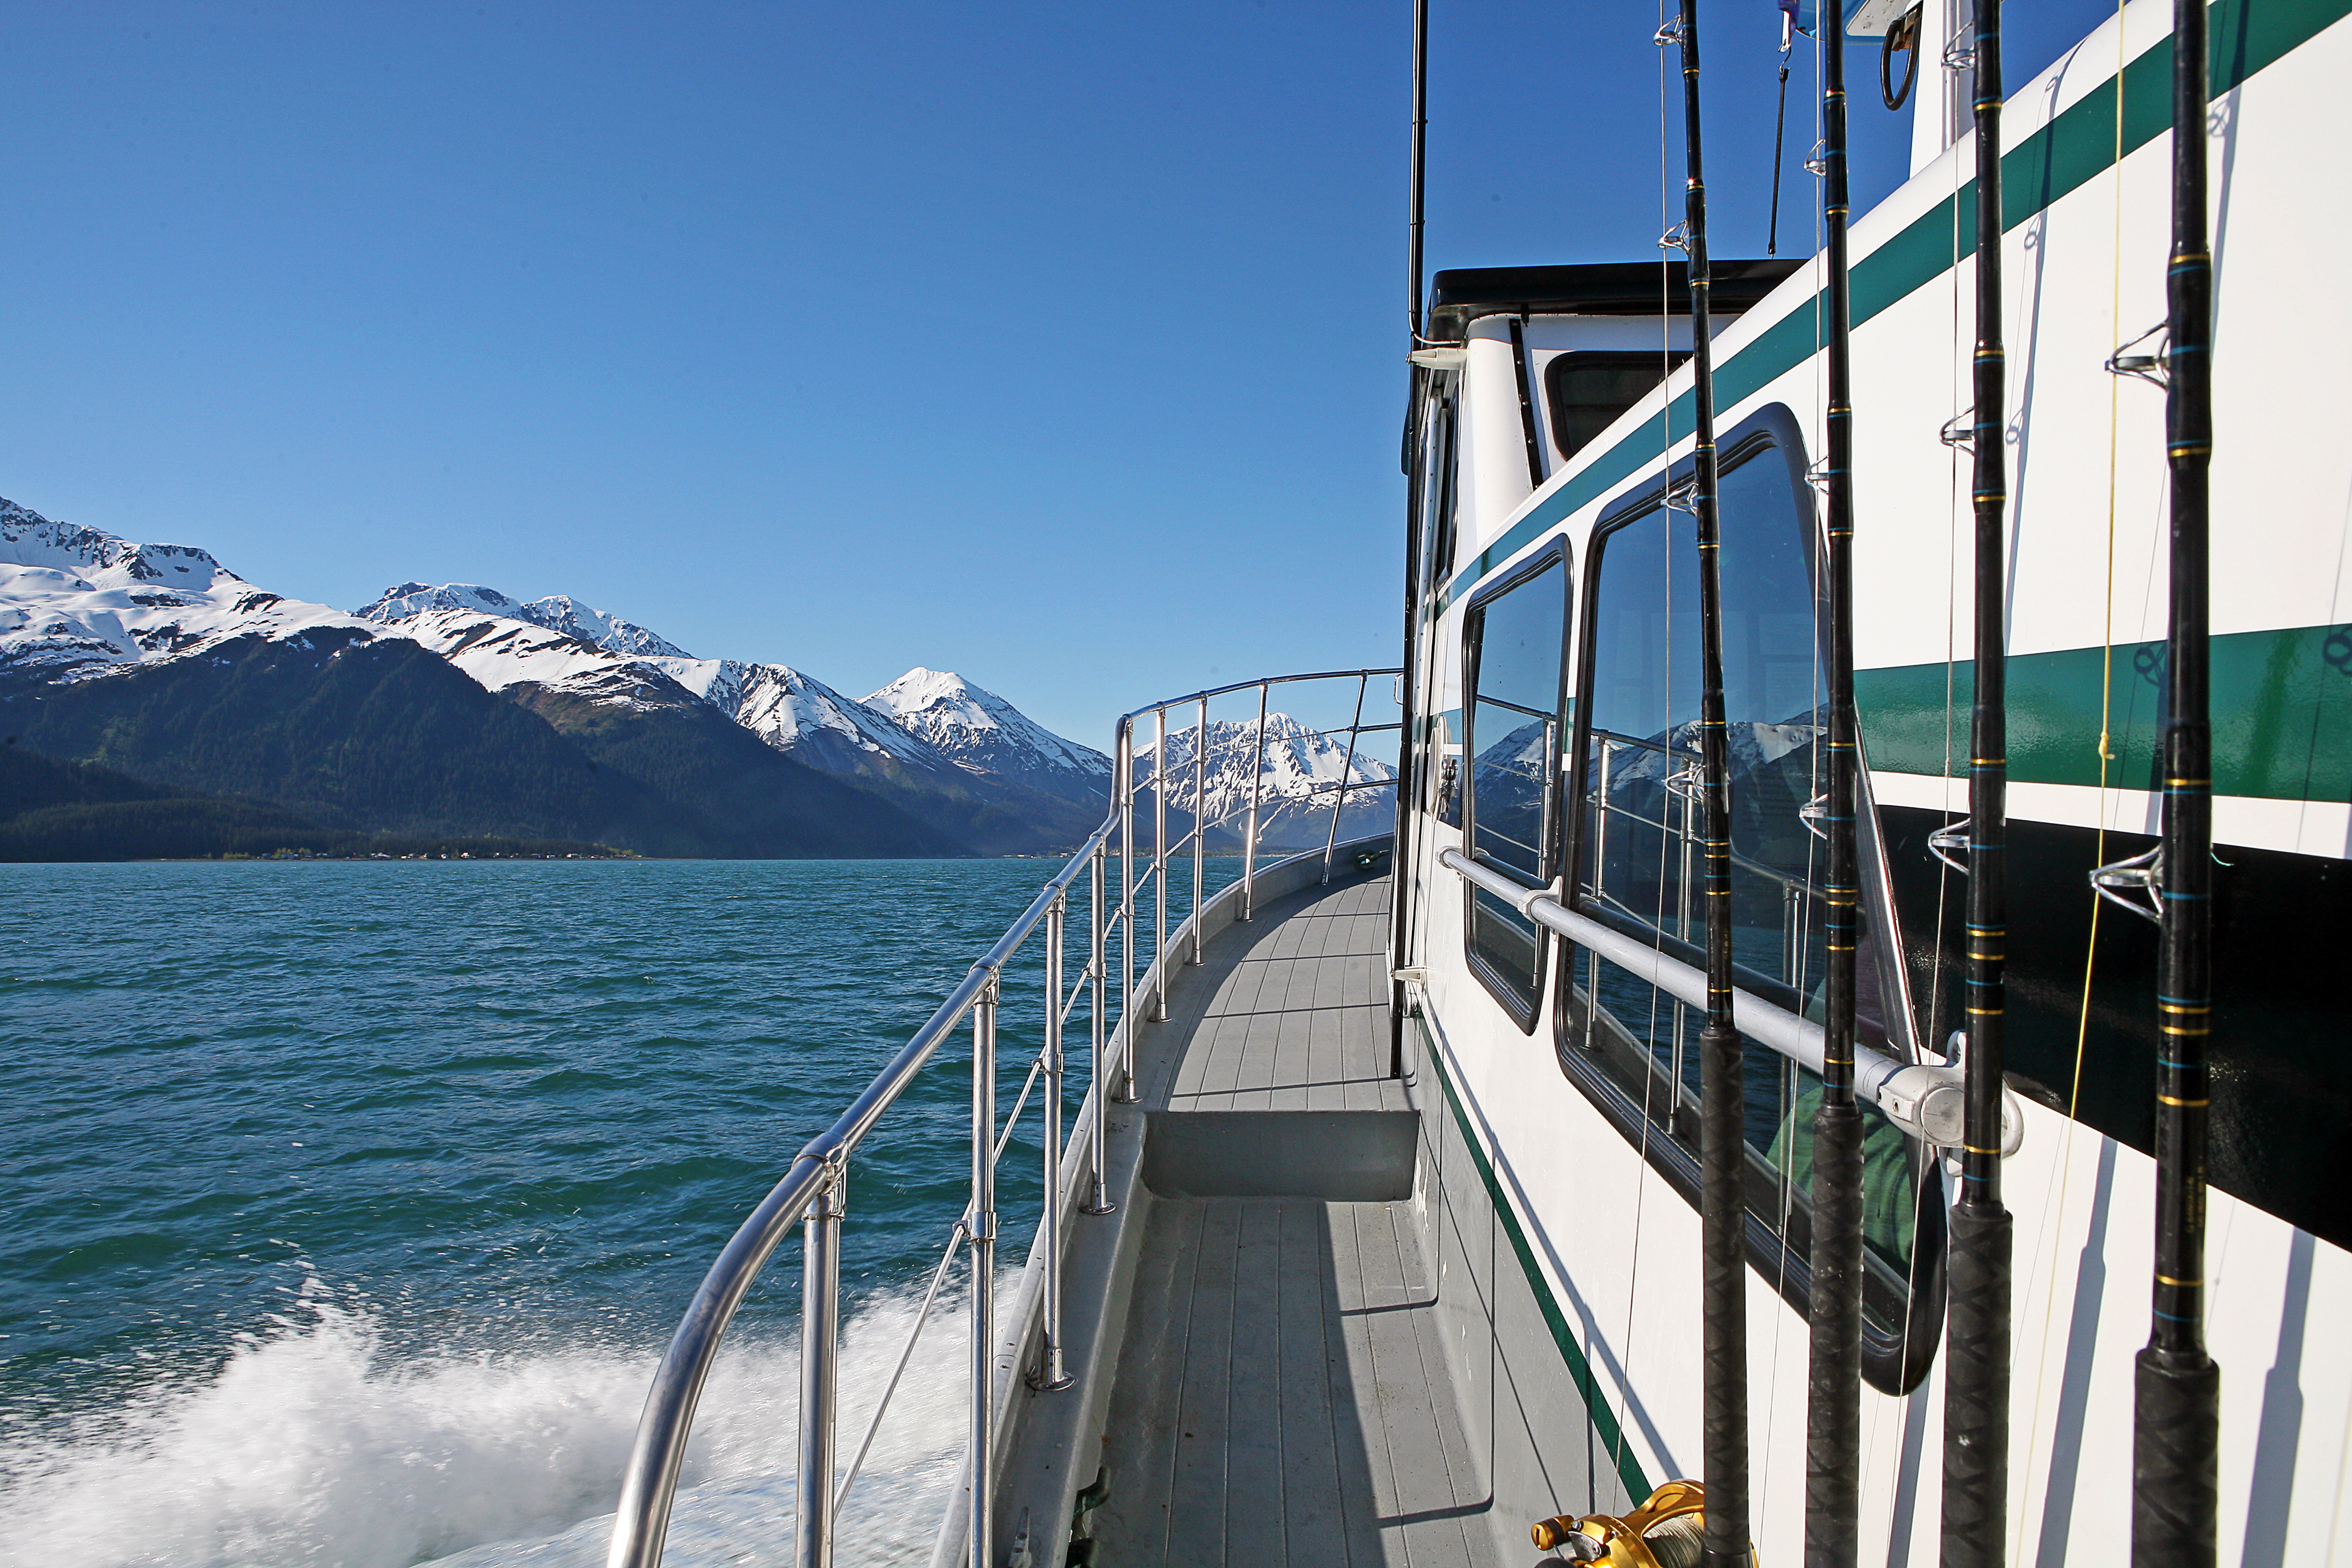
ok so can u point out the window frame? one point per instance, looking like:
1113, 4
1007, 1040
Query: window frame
1895, 1361
1555, 551
1439, 529
1556, 370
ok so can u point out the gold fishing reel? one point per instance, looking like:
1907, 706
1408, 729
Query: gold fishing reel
1667, 1531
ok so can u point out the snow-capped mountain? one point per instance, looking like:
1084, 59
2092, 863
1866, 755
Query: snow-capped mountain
1296, 777
501, 652
979, 731
558, 650
795, 712
557, 612
76, 602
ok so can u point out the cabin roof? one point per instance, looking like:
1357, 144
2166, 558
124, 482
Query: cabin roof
1460, 295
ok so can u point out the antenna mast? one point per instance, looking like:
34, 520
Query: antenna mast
1420, 147
1408, 735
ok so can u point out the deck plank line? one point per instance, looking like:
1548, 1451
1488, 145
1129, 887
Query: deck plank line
1198, 1484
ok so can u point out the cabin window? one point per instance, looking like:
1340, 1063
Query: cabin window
1515, 642
1633, 1047
1435, 488
1588, 389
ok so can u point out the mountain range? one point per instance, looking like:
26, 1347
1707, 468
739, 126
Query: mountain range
452, 709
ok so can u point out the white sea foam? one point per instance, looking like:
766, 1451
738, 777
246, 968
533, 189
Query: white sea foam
315, 1444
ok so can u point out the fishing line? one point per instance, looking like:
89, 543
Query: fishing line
2107, 755
1665, 456
1792, 1081
1951, 621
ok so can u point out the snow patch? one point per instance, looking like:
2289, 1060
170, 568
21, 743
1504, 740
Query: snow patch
980, 730
557, 613
76, 602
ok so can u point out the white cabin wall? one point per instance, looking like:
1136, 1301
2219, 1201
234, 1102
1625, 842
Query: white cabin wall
1493, 445
2282, 458
2283, 517
2281, 479
1549, 337
1941, 99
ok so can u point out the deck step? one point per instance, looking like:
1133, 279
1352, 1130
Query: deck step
1339, 1157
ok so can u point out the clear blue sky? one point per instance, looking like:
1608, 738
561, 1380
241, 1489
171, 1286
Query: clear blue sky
1060, 345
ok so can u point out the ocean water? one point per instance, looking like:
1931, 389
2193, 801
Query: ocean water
347, 1207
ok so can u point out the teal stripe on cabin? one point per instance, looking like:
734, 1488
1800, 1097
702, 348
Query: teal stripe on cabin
1596, 1403
2281, 707
2072, 149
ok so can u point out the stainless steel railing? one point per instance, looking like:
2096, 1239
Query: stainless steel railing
813, 1191
1921, 1099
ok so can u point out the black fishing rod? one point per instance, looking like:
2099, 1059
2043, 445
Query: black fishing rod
1833, 1398
1976, 1344
1400, 882
1723, 1210
2177, 1423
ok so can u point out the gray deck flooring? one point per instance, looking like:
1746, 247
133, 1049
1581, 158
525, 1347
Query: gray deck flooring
1288, 1013
1282, 1395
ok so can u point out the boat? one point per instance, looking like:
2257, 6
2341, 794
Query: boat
1835, 1056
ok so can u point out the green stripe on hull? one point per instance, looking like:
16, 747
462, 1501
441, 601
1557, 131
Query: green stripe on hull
1596, 1406
2282, 706
2074, 149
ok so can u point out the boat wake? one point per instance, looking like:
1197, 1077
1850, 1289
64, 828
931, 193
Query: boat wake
314, 1442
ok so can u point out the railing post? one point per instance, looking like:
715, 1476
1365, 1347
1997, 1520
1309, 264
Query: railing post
820, 1349
983, 1272
1249, 845
1200, 817
1347, 772
1097, 948
1123, 1069
1050, 1373
1159, 866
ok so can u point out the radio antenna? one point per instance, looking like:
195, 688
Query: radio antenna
1420, 149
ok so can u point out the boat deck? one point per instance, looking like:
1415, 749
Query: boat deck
1282, 1393
1288, 1013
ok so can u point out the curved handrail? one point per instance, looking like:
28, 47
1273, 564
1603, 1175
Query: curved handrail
649, 1481
649, 1484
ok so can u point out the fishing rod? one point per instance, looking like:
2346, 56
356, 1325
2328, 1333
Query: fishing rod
1976, 1344
1723, 1209
1408, 741
2176, 1422
1833, 1397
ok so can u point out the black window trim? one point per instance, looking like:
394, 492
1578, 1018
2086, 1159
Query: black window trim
1442, 522
1553, 552
1556, 369
1893, 1362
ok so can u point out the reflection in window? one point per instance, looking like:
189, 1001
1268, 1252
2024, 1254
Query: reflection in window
1515, 646
1639, 842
